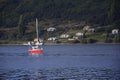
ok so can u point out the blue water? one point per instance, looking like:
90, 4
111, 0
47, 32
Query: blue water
61, 62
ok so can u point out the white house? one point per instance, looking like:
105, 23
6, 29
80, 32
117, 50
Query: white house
64, 36
79, 34
115, 31
52, 39
86, 28
91, 30
51, 29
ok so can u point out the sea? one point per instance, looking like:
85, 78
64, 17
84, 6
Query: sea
61, 62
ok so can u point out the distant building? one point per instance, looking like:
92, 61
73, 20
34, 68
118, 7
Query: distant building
64, 36
115, 31
51, 29
91, 30
86, 28
79, 34
52, 39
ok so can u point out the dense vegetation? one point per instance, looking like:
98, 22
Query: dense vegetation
17, 16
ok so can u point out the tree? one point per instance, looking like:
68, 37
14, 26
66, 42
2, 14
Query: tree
117, 38
21, 27
91, 40
107, 38
111, 11
114, 11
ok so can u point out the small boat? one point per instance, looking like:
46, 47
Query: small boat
34, 46
35, 50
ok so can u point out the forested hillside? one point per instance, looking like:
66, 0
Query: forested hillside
92, 12
95, 11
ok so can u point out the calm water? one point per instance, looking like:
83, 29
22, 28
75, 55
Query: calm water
61, 62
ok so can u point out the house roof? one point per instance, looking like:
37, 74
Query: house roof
51, 29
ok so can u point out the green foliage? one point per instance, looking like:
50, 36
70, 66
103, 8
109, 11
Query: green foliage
88, 40
74, 41
100, 29
18, 13
91, 11
114, 11
116, 38
91, 40
108, 39
21, 27
84, 40
58, 41
3, 35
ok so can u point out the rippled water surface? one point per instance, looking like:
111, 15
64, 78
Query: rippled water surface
61, 62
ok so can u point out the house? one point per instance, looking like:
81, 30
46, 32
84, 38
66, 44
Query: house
52, 39
51, 29
86, 28
64, 36
91, 30
115, 31
79, 34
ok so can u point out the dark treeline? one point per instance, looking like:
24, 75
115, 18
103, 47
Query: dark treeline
101, 12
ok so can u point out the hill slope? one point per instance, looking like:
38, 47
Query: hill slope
55, 12
95, 11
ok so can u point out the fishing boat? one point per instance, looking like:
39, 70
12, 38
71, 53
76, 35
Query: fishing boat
34, 46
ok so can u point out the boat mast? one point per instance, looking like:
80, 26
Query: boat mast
37, 29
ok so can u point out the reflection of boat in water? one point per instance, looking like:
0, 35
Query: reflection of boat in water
34, 46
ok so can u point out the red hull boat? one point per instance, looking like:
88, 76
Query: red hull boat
35, 51
34, 46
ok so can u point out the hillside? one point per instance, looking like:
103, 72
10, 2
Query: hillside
17, 16
95, 11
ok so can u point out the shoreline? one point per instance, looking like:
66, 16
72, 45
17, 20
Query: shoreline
99, 43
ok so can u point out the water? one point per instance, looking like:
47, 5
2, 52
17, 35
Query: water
61, 62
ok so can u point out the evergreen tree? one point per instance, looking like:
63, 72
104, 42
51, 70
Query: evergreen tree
21, 27
117, 38
114, 11
111, 11
108, 38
